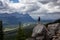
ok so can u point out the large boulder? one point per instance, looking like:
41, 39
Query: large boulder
57, 37
39, 32
53, 28
30, 39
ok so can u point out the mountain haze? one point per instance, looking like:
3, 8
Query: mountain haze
15, 18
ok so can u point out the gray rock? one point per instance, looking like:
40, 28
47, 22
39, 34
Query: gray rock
40, 38
38, 29
53, 29
41, 29
39, 32
30, 39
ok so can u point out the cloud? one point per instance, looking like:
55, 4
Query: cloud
33, 7
4, 8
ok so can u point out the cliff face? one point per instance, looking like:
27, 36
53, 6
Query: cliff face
37, 30
53, 32
53, 28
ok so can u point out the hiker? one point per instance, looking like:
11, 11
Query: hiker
40, 31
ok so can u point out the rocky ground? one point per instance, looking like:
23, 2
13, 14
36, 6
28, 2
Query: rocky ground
50, 31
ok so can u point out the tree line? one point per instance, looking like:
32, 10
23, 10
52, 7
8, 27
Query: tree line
21, 33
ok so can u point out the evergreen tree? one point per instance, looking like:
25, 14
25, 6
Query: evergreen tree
20, 33
1, 31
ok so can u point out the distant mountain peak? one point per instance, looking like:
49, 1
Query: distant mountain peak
16, 18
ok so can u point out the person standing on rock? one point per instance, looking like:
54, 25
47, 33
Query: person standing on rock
39, 31
39, 20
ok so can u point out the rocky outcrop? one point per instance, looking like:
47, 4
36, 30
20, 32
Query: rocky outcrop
52, 32
39, 32
54, 29
38, 29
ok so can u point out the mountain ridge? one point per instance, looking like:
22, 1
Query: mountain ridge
15, 18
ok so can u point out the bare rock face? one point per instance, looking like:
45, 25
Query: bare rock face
38, 29
40, 32
30, 39
40, 38
53, 29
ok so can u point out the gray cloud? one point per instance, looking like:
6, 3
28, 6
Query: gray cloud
33, 7
36, 5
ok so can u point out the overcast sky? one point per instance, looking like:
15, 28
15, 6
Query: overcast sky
45, 8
